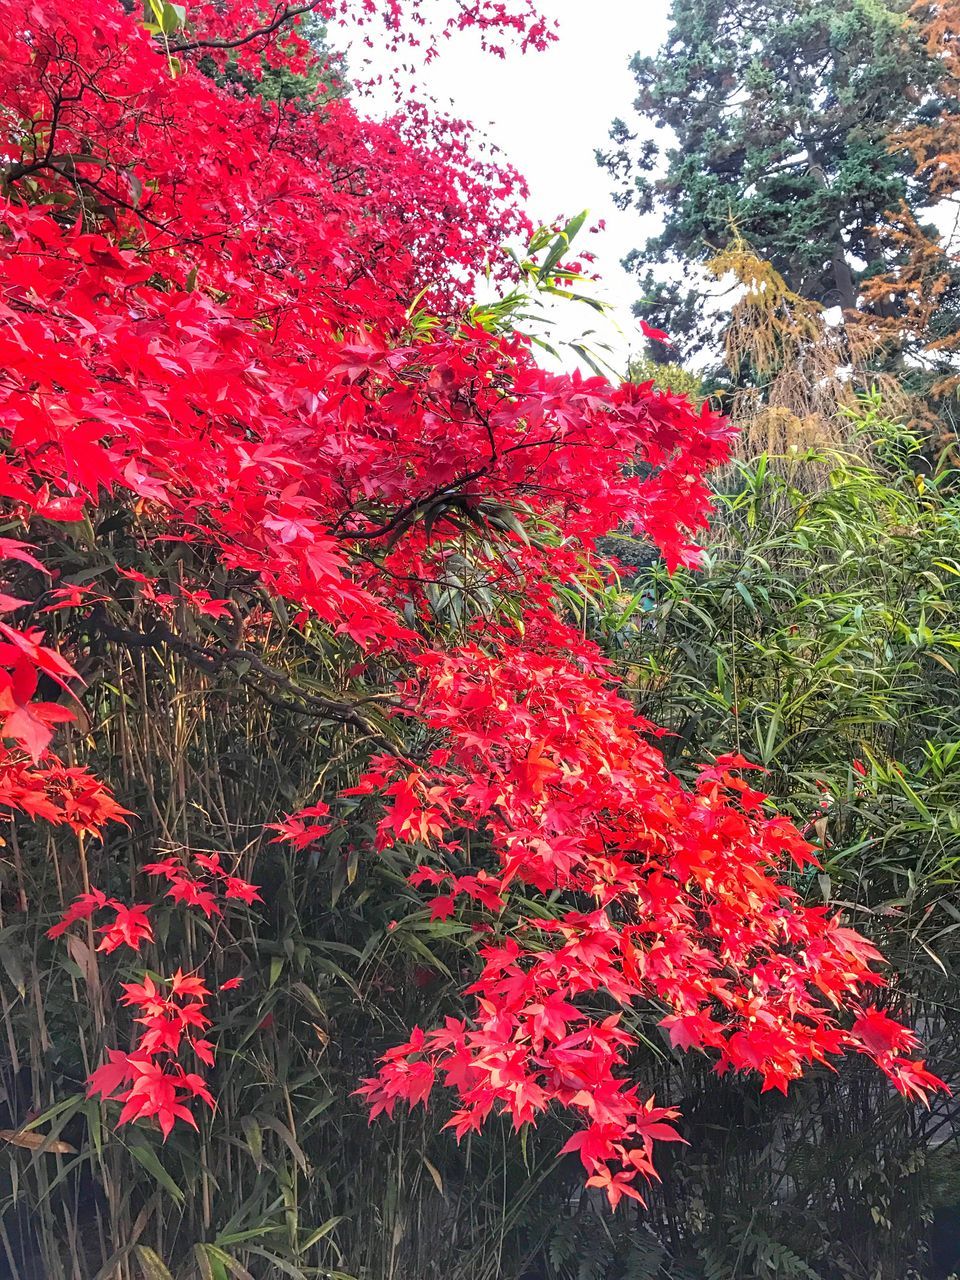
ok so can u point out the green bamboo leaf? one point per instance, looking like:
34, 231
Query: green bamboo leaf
254, 1136
147, 1157
316, 1236
152, 1267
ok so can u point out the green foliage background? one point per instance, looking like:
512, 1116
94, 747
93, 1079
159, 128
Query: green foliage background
772, 120
824, 630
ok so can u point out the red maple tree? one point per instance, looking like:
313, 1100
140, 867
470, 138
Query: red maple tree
208, 323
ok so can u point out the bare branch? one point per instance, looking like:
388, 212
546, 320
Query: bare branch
286, 14
212, 661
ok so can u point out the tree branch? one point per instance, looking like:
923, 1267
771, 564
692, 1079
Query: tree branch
286, 14
214, 660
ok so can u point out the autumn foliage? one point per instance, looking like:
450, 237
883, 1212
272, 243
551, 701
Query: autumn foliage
911, 301
211, 336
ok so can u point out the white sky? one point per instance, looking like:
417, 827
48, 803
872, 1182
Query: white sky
548, 112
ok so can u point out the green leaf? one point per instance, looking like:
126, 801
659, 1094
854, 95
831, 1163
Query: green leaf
151, 1266
147, 1157
320, 1232
13, 968
254, 1136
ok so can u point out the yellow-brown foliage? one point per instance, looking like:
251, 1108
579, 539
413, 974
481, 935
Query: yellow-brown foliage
903, 301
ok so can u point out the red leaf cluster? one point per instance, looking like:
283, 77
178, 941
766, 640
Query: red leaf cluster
690, 911
151, 1081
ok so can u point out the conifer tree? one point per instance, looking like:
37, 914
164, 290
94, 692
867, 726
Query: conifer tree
773, 123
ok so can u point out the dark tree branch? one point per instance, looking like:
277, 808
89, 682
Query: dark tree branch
213, 661
286, 14
407, 514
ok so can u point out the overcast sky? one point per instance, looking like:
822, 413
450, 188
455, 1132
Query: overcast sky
549, 111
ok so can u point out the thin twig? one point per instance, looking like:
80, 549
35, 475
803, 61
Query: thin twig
280, 17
